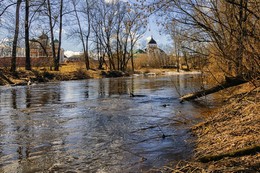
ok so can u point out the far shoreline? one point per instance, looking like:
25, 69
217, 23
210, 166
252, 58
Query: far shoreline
25, 77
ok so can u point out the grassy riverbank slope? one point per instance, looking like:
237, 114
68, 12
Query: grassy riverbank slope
228, 140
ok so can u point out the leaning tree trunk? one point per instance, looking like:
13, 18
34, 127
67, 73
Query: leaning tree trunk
230, 82
14, 49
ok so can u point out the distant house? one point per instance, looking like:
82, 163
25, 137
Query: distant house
41, 47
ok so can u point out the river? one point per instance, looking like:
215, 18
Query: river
95, 126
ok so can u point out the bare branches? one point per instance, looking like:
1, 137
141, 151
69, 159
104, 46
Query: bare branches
226, 28
233, 2
6, 8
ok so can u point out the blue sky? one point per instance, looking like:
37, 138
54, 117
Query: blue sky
74, 45
153, 30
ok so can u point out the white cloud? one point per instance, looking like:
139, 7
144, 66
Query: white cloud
71, 53
111, 1
148, 38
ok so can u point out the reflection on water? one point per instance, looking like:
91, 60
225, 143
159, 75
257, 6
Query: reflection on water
94, 126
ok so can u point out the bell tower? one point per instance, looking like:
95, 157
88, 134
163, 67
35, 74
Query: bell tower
151, 46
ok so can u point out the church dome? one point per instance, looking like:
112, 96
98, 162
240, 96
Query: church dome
152, 41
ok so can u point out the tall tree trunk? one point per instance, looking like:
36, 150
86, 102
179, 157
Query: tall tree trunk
117, 48
241, 37
87, 37
52, 33
132, 55
110, 55
57, 60
27, 36
178, 57
87, 54
132, 63
124, 58
186, 61
14, 49
100, 58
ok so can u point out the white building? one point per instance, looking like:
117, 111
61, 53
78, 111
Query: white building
6, 51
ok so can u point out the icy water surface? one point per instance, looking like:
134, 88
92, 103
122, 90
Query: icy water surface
94, 126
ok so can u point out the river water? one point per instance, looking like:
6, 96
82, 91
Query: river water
95, 126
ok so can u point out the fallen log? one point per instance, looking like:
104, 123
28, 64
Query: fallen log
230, 82
241, 152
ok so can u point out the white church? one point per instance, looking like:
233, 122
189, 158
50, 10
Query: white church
156, 55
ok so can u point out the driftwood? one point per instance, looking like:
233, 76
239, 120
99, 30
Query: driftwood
237, 153
230, 82
5, 78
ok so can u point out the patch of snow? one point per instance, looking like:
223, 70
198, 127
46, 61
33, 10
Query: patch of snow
182, 72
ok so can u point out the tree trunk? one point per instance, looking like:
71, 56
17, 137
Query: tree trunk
100, 58
5, 78
230, 82
87, 56
87, 37
14, 49
81, 33
86, 53
240, 40
57, 60
52, 33
27, 36
237, 153
132, 56
186, 61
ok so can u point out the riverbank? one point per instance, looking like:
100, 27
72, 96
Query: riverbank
24, 77
70, 71
228, 140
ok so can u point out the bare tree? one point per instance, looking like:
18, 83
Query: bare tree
82, 11
4, 6
97, 28
118, 27
14, 49
228, 30
135, 28
53, 19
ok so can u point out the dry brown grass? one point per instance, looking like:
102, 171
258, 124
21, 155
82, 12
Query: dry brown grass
234, 127
140, 61
68, 71
71, 67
